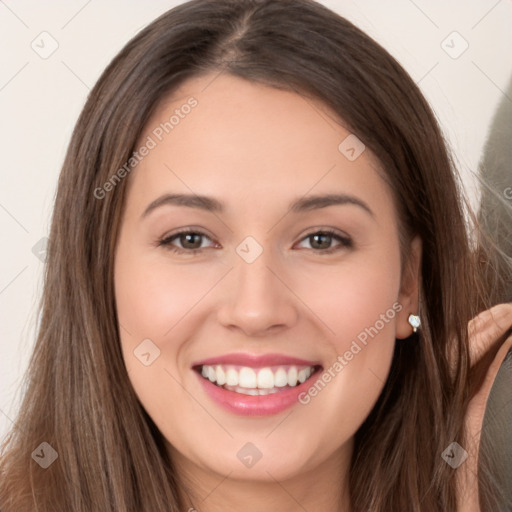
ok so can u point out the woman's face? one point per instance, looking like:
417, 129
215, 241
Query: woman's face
291, 272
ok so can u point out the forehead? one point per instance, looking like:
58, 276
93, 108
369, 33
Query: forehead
225, 136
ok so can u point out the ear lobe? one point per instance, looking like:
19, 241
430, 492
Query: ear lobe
409, 289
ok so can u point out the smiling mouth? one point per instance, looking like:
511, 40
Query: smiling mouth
257, 381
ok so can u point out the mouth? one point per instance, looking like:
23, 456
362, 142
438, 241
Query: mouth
262, 381
255, 385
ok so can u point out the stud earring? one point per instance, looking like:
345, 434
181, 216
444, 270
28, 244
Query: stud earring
414, 322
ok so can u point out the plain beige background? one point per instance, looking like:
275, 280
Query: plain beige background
42, 93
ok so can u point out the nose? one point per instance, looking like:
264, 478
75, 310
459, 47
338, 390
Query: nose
258, 299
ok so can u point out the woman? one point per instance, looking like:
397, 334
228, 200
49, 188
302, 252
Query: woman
259, 283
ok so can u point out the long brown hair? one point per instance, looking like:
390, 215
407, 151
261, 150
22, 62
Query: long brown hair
78, 396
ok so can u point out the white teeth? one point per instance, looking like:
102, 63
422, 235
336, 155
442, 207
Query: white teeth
265, 379
292, 376
280, 378
304, 374
231, 377
221, 375
252, 392
262, 380
247, 378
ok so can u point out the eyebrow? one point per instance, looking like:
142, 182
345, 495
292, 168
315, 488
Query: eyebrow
323, 201
213, 205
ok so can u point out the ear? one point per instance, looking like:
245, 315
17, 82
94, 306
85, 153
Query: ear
409, 289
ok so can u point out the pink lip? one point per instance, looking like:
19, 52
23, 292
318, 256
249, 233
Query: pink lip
256, 361
261, 405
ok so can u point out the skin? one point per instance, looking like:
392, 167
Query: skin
256, 149
484, 330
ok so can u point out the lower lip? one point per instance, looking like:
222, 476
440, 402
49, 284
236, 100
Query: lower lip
259, 405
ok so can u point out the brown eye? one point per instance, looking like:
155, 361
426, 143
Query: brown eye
186, 241
322, 242
190, 240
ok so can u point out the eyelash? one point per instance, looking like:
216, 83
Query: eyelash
345, 242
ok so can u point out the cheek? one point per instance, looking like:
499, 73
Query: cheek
350, 297
160, 302
155, 301
358, 304
152, 297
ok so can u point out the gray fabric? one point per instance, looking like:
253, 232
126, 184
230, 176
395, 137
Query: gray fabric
496, 440
495, 170
496, 217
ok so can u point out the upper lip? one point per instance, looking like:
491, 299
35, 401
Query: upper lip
256, 361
